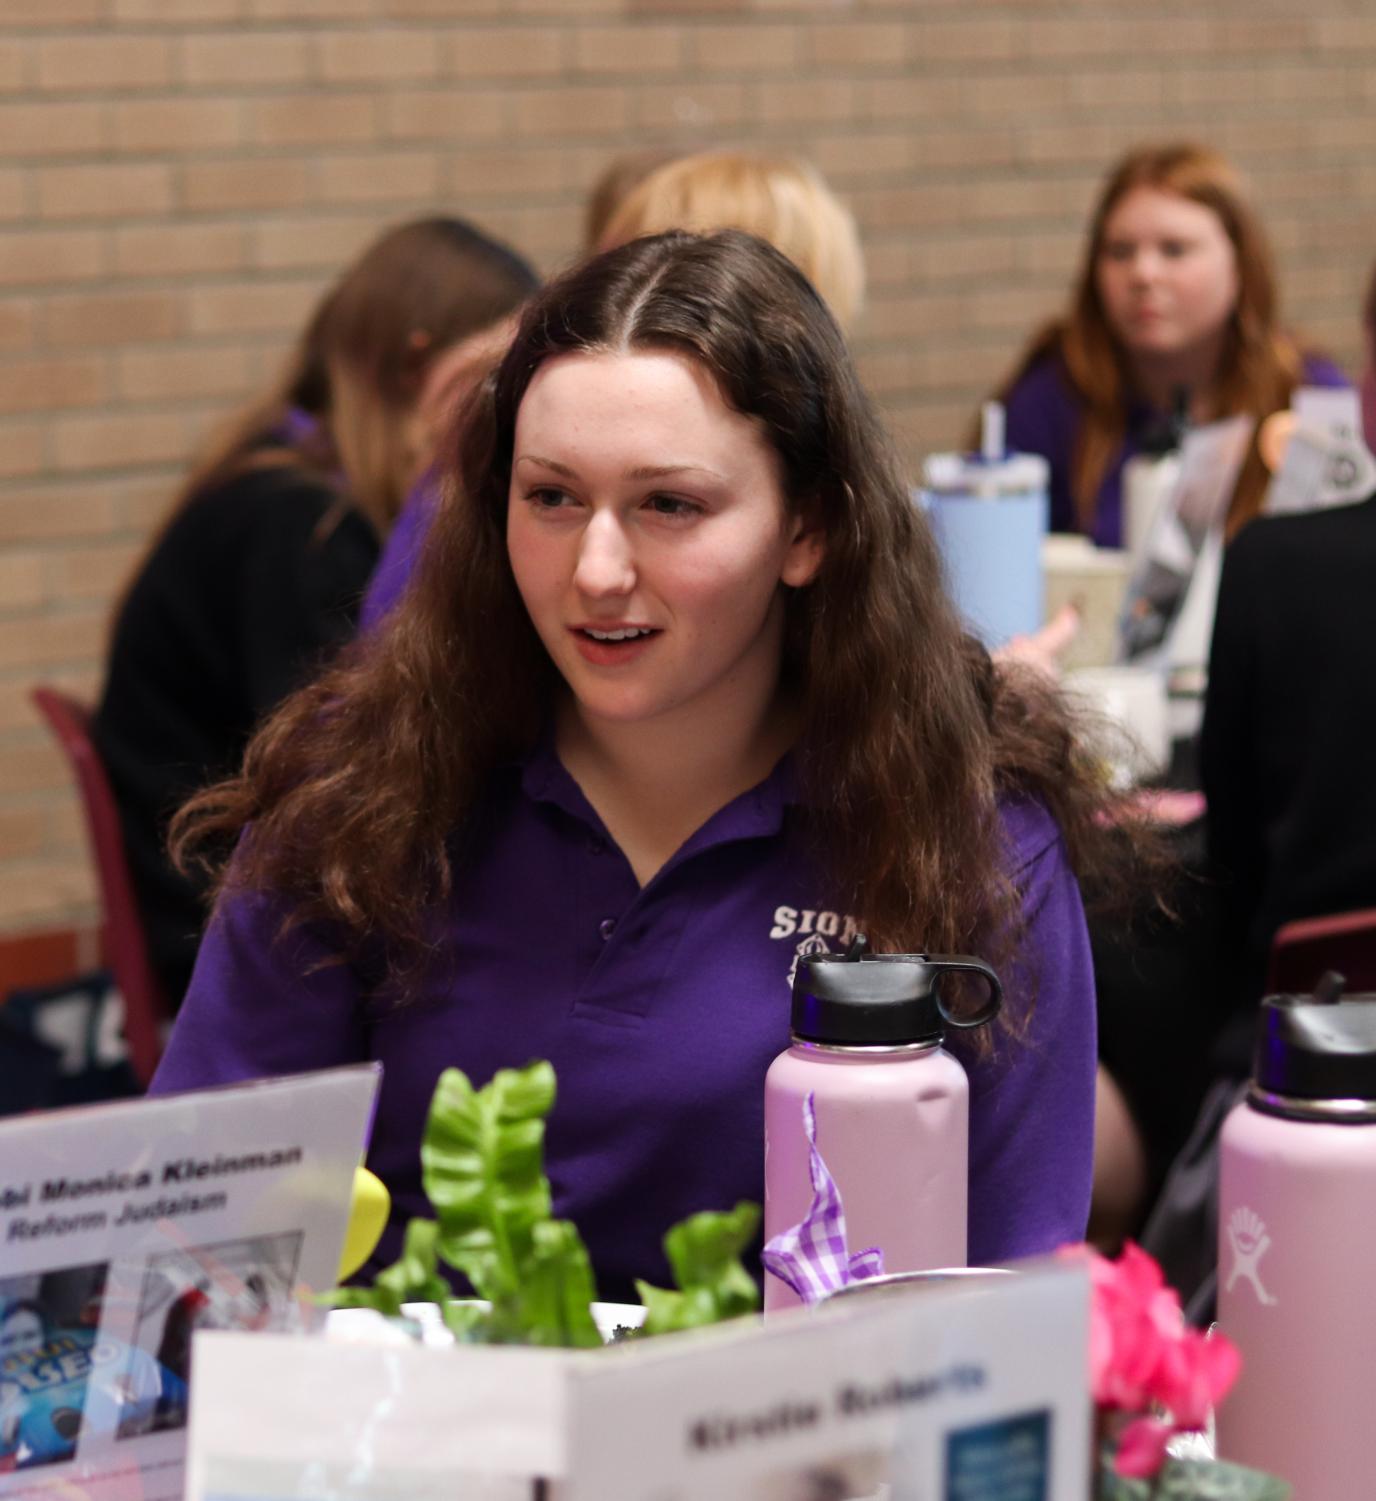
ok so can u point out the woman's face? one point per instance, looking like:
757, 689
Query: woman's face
1166, 272
649, 535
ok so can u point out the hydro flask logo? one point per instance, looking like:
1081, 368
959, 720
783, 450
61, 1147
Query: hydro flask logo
1250, 1242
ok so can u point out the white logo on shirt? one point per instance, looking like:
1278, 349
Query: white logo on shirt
813, 927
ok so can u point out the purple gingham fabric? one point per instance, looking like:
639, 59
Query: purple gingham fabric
812, 1257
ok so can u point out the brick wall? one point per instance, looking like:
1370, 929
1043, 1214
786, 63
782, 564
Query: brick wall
178, 178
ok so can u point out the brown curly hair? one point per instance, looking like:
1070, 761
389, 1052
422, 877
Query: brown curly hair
356, 787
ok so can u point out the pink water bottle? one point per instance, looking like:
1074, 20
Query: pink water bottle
1297, 1227
892, 1106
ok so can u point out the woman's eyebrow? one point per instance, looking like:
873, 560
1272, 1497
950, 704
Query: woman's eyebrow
640, 472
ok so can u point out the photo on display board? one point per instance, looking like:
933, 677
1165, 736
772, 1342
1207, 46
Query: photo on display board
49, 1348
236, 1284
842, 1477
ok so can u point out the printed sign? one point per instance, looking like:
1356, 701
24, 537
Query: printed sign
124, 1229
964, 1391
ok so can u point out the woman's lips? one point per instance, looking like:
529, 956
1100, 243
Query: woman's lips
604, 653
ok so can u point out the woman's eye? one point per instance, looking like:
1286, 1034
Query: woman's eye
1174, 249
672, 505
1117, 251
547, 498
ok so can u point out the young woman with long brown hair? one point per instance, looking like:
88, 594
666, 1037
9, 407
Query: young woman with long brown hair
675, 695
1176, 293
258, 571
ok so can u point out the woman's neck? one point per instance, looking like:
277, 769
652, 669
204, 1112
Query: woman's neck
654, 784
1156, 378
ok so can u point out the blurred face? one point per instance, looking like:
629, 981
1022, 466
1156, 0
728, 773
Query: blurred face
22, 1331
1166, 273
649, 537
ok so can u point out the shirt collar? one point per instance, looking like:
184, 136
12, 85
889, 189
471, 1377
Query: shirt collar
757, 813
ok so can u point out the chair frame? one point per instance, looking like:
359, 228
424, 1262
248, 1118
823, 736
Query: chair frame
124, 946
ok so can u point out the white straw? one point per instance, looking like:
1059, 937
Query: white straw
991, 432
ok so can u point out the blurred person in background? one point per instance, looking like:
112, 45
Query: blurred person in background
258, 572
1176, 294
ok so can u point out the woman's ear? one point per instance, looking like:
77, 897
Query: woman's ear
806, 550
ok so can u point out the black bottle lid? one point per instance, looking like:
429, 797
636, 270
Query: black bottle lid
1316, 1054
860, 999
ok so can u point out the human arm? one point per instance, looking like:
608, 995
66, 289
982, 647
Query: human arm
1032, 1104
261, 1003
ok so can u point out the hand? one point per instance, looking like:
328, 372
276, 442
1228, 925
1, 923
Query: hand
1043, 649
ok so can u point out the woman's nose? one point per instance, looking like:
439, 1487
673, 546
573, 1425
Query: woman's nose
606, 561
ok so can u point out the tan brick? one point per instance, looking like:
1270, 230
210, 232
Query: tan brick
247, 58
14, 194
104, 192
753, 49
163, 374
1094, 143
34, 894
325, 241
1051, 254
1015, 93
1346, 34
451, 114
910, 98
316, 10
486, 173
42, 513
1118, 89
100, 318
808, 101
380, 177
23, 451
18, 320
177, 125
52, 129
177, 12
179, 249
45, 385
695, 110
45, 640
380, 53
246, 183
58, 13
967, 148
628, 50
690, 9
93, 573
251, 306
859, 44
313, 119
571, 111
144, 503
66, 826
23, 581
853, 156
23, 832
125, 440
51, 256
503, 52
106, 63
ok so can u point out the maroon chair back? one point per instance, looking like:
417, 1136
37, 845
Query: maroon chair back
124, 947
1301, 951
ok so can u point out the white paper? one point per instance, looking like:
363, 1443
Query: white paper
972, 1391
1210, 459
126, 1227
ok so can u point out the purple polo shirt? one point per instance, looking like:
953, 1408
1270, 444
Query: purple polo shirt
661, 1009
1044, 412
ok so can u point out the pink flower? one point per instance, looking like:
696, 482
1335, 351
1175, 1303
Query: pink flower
1145, 1361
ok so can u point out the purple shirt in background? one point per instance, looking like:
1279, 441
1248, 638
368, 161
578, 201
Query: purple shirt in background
660, 1008
1043, 416
400, 551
